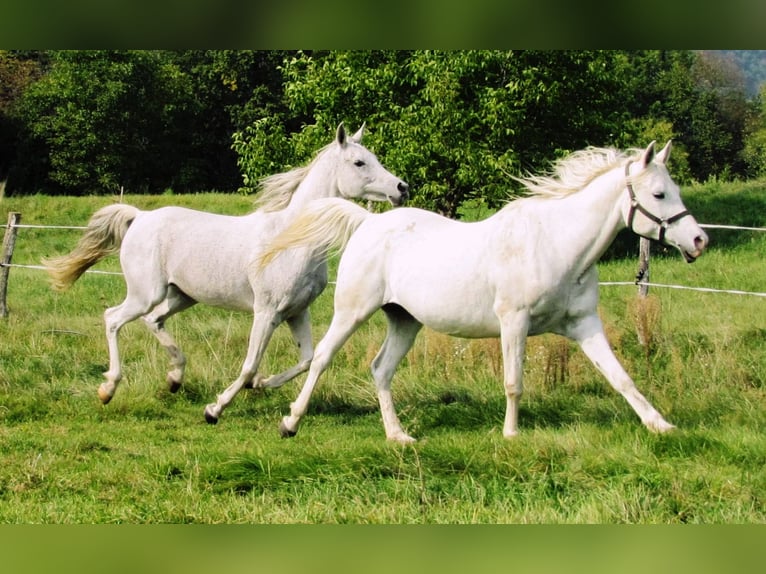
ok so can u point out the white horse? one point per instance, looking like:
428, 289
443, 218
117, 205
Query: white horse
174, 257
528, 269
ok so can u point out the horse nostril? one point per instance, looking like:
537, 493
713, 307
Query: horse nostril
700, 242
403, 187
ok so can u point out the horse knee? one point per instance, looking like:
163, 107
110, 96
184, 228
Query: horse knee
513, 391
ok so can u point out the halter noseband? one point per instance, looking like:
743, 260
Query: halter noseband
636, 206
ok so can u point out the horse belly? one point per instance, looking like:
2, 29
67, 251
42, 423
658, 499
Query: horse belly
464, 325
449, 307
227, 292
216, 278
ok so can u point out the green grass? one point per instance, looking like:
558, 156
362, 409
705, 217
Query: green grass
582, 456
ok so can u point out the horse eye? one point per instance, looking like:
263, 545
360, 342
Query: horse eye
359, 163
659, 195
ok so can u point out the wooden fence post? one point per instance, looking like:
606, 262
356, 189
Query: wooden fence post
643, 266
9, 242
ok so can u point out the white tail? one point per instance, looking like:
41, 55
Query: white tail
324, 224
102, 237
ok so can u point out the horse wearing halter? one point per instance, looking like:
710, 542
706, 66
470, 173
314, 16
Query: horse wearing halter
635, 205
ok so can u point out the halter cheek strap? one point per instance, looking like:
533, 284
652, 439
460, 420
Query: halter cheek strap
635, 205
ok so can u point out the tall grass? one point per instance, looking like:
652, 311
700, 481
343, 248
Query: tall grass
582, 456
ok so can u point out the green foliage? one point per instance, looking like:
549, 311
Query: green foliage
754, 151
144, 120
456, 124
102, 117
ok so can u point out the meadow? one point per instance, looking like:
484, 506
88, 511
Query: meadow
582, 455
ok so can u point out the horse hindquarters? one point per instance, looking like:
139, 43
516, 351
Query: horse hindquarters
148, 295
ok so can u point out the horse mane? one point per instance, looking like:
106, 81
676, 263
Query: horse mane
575, 171
275, 191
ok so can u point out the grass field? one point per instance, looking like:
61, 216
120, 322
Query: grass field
582, 455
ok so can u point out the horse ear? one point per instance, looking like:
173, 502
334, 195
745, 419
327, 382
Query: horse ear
340, 134
357, 137
648, 155
664, 154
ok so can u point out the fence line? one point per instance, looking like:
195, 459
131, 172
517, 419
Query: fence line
30, 226
641, 282
684, 287
715, 226
43, 268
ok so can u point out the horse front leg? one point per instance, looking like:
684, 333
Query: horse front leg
589, 334
264, 324
514, 326
300, 327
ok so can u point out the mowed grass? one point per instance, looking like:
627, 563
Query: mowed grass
582, 455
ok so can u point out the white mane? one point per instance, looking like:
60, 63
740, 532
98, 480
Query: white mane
575, 171
275, 191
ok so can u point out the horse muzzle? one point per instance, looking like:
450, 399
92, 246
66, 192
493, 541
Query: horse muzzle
404, 194
700, 244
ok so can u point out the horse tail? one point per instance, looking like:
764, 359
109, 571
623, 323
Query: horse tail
103, 236
324, 225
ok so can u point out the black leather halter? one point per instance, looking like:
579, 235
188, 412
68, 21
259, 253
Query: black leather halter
636, 206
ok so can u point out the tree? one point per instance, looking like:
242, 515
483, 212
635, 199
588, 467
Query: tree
17, 71
754, 149
103, 119
457, 124
232, 89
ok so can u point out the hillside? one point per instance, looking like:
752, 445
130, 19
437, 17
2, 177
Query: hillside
753, 66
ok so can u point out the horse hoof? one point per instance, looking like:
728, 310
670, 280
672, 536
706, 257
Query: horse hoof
104, 395
210, 417
254, 383
402, 439
661, 427
285, 432
173, 385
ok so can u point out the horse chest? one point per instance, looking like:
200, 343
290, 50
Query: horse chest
292, 288
555, 306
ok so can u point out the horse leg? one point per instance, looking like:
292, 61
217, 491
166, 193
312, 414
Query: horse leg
514, 327
264, 324
174, 302
343, 324
589, 334
300, 327
402, 330
115, 318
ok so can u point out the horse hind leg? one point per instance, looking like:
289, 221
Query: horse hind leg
402, 331
174, 302
344, 323
115, 318
300, 327
264, 324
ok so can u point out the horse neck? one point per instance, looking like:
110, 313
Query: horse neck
592, 217
318, 183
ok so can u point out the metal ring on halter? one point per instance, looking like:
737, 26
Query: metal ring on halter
635, 205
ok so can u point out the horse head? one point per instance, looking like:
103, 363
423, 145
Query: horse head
360, 174
655, 209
